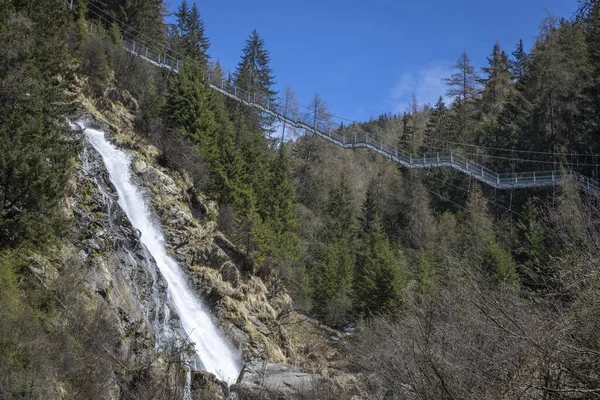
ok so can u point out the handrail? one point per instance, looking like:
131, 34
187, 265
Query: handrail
323, 127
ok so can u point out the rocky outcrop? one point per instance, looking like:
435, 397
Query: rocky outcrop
283, 381
120, 270
256, 315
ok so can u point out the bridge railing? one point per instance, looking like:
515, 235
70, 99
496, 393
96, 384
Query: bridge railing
328, 127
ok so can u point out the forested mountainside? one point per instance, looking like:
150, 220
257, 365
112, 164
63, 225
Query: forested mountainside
456, 290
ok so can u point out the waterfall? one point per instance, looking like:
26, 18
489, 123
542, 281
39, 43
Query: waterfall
215, 353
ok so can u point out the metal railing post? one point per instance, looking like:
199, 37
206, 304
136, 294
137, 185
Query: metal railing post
533, 176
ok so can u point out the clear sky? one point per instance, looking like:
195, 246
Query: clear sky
366, 57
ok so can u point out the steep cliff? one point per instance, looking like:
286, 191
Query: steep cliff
257, 316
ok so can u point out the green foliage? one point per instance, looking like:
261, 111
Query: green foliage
379, 273
145, 16
498, 261
254, 74
332, 275
497, 83
188, 36
426, 272
36, 144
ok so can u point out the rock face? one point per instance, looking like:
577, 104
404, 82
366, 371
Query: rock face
256, 315
279, 379
118, 267
245, 308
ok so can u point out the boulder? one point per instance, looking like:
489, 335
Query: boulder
280, 379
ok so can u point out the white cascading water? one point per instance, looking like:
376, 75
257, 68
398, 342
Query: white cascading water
216, 354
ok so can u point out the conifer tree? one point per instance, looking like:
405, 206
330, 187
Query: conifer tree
378, 277
333, 272
145, 16
281, 220
519, 62
496, 82
36, 144
190, 38
255, 75
492, 260
464, 83
200, 115
437, 126
217, 71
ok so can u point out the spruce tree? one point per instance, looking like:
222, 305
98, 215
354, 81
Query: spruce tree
518, 64
332, 274
190, 38
145, 16
496, 82
36, 144
437, 126
491, 259
255, 75
378, 276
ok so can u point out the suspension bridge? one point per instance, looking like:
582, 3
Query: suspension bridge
326, 127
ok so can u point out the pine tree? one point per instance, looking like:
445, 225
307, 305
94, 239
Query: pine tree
437, 125
496, 82
145, 16
217, 71
190, 37
282, 219
590, 11
255, 75
518, 66
493, 261
333, 273
36, 144
378, 276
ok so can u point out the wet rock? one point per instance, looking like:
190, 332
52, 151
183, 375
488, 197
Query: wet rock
238, 337
120, 270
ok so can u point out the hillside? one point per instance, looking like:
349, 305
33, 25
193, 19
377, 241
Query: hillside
141, 207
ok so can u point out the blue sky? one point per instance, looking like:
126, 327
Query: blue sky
366, 58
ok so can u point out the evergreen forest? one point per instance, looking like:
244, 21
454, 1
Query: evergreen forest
456, 290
